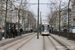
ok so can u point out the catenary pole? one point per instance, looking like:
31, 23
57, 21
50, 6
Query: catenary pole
6, 17
38, 22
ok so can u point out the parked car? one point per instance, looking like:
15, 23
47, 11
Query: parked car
72, 30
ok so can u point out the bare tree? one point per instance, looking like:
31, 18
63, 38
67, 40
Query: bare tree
57, 7
68, 18
6, 17
21, 5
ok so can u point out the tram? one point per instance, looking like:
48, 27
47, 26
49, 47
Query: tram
45, 29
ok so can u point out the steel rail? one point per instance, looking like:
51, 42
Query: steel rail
52, 42
16, 42
25, 43
44, 48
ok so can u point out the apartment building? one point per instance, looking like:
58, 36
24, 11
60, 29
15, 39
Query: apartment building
15, 15
0, 13
73, 14
9, 12
54, 21
64, 18
57, 21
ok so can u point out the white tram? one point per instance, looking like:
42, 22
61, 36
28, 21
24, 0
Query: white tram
45, 30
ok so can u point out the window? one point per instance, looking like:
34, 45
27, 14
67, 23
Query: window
4, 5
10, 19
7, 19
3, 11
65, 12
64, 20
65, 16
3, 23
3, 18
0, 1
64, 23
4, 0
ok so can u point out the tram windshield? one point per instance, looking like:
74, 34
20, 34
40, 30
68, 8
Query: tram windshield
45, 28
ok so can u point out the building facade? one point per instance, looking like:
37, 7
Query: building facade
9, 12
73, 13
0, 13
64, 18
57, 21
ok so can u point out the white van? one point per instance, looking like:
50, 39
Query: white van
72, 30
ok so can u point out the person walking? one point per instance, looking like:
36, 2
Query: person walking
0, 34
13, 32
3, 34
21, 32
16, 32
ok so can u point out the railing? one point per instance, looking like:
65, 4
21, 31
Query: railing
65, 34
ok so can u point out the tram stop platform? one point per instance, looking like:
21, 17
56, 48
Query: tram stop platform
70, 44
9, 40
31, 42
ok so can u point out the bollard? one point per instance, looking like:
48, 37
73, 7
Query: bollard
0, 35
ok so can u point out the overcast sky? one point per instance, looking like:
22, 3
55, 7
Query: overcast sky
44, 9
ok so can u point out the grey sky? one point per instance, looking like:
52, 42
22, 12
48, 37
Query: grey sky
43, 8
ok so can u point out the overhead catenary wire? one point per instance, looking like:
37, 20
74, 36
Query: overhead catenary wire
39, 3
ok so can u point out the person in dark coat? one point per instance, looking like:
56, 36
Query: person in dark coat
13, 32
21, 32
16, 32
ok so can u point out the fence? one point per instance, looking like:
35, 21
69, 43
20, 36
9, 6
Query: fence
65, 34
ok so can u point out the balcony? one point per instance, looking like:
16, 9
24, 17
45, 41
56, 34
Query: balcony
3, 1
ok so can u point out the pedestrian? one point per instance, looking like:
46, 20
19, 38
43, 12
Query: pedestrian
13, 32
16, 33
2, 32
21, 32
51, 31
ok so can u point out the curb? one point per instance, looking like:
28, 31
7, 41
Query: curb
60, 43
14, 39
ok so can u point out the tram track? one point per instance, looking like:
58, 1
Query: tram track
44, 48
25, 43
19, 43
44, 43
13, 40
52, 43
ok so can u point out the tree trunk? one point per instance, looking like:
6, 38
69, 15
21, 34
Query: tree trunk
6, 17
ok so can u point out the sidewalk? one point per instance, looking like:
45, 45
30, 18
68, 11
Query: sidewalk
70, 44
9, 40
